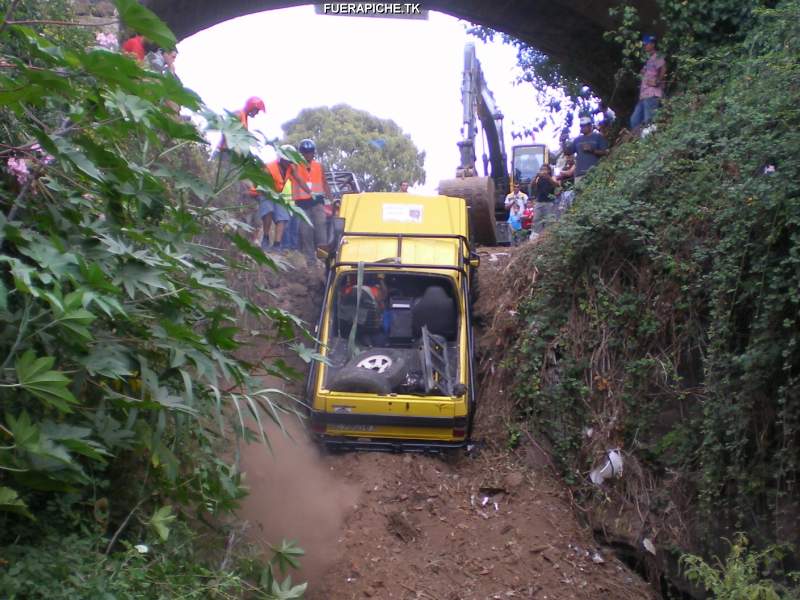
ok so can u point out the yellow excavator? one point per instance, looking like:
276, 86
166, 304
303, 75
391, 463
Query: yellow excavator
485, 195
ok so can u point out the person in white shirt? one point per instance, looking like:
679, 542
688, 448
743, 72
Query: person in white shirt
516, 197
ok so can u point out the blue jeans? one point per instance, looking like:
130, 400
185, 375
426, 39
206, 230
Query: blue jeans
644, 111
291, 235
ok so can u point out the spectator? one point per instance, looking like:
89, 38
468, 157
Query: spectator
651, 89
269, 210
515, 221
516, 197
566, 177
138, 47
565, 165
404, 186
589, 147
163, 61
527, 215
309, 190
252, 106
543, 188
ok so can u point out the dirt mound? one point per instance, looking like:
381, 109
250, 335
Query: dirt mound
482, 527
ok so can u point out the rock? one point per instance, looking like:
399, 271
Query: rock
513, 480
82, 7
103, 8
400, 526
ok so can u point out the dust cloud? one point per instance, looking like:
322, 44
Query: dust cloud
294, 496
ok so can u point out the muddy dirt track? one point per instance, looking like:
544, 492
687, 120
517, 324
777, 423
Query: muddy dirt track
492, 524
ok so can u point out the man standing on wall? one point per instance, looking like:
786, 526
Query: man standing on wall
651, 89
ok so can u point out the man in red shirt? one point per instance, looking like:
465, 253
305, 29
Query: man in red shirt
135, 46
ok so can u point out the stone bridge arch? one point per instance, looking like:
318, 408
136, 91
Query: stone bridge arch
570, 31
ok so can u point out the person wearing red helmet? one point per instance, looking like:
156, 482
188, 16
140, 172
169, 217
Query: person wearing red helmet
252, 107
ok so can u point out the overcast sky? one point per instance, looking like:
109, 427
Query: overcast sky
400, 69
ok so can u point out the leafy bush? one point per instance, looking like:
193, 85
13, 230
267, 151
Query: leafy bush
63, 567
119, 390
740, 578
665, 313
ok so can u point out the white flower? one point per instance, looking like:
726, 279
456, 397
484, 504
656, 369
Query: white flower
141, 548
106, 40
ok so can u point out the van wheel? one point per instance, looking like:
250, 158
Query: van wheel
357, 379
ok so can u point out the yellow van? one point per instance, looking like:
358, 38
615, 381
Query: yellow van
395, 326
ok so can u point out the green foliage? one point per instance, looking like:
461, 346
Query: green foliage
694, 28
120, 393
75, 566
142, 20
741, 576
629, 37
347, 139
514, 436
538, 68
665, 312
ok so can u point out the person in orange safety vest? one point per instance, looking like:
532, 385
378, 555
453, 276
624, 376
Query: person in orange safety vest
309, 190
269, 210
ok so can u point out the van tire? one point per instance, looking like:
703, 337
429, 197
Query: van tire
358, 380
394, 372
356, 376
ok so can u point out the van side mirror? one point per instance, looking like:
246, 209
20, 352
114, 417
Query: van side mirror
474, 262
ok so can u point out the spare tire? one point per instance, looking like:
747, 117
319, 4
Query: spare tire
390, 363
356, 379
376, 371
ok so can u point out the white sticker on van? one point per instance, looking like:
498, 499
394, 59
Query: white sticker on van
403, 213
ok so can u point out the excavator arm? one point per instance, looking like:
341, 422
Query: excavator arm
478, 104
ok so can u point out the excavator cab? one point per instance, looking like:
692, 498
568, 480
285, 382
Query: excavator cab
526, 160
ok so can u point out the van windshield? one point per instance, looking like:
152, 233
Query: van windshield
396, 333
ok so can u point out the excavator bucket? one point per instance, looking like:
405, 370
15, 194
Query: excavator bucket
480, 196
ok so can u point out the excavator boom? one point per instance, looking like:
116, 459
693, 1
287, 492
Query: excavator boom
485, 193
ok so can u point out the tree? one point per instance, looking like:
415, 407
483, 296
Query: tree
348, 139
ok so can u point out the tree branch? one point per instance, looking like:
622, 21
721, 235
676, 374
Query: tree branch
9, 12
122, 526
65, 23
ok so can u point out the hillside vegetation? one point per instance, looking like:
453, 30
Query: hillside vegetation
122, 400
663, 313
